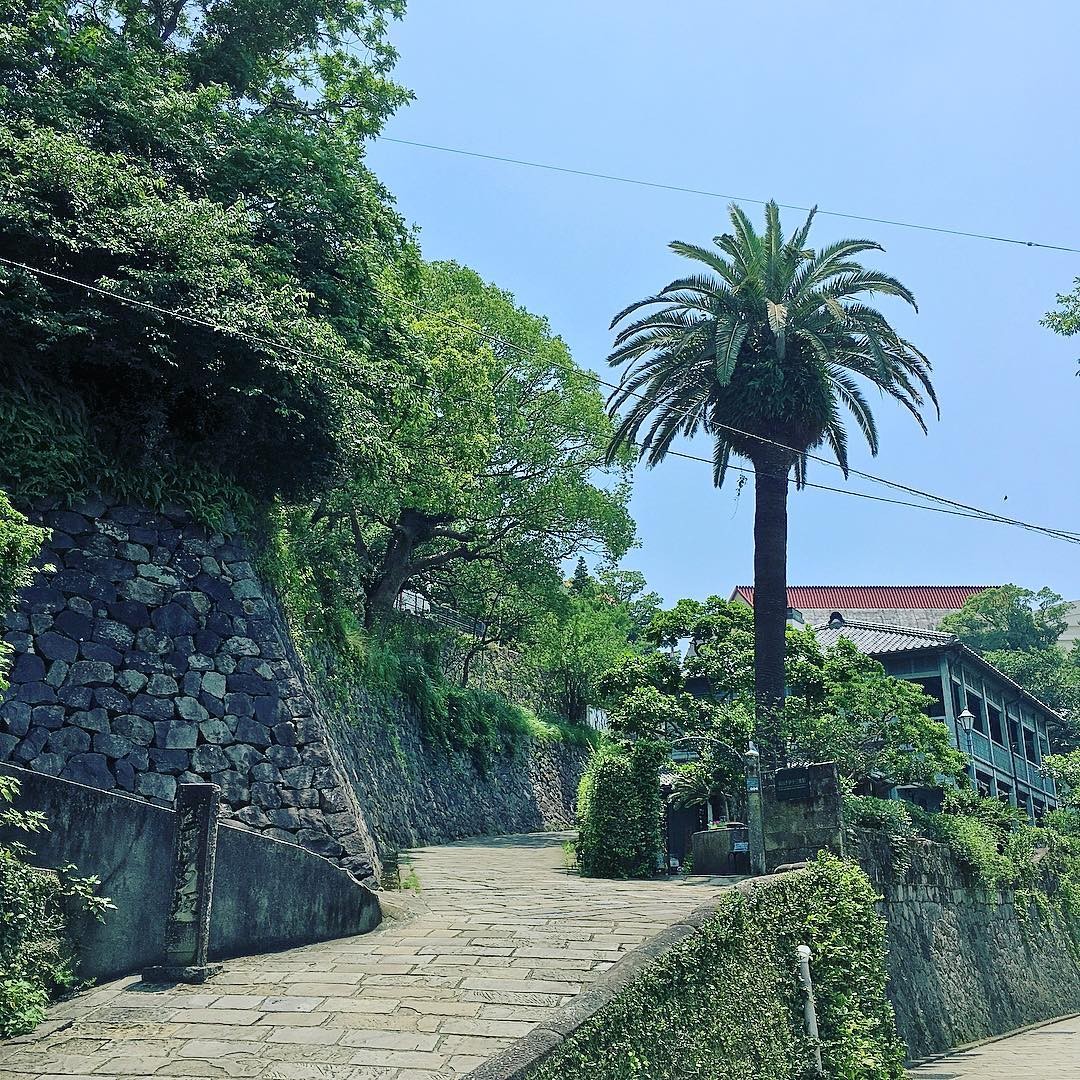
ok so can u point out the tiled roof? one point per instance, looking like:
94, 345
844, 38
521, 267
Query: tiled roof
869, 597
877, 638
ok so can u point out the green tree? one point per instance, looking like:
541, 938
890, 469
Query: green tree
205, 158
1065, 319
761, 348
1016, 630
499, 458
1009, 617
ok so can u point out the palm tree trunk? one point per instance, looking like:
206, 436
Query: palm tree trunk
771, 468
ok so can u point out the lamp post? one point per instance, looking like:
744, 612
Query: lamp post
966, 719
755, 825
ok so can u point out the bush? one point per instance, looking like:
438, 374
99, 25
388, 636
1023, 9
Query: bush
37, 958
20, 543
620, 810
726, 1003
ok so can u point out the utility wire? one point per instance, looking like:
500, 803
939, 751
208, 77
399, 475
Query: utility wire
959, 510
547, 166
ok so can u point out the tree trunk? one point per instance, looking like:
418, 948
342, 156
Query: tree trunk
412, 528
771, 468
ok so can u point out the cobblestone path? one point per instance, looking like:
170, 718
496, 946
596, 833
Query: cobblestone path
1051, 1052
500, 936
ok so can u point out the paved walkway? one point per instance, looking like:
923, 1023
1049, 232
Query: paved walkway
1051, 1052
500, 936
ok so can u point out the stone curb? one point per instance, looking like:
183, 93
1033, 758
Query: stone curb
963, 1049
533, 1049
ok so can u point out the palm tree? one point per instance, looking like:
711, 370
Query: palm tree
763, 348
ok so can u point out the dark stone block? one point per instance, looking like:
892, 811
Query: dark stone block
47, 716
7, 745
209, 759
85, 584
156, 786
108, 698
20, 640
56, 646
16, 716
125, 775
74, 625
139, 534
130, 613
94, 650
152, 707
112, 746
284, 757
269, 711
114, 633
246, 758
91, 719
265, 795
153, 642
68, 522
248, 684
31, 746
69, 740
207, 642
135, 728
43, 598
76, 697
142, 591
192, 683
143, 662
91, 673
28, 668
169, 761
109, 569
213, 705
60, 541
250, 731
36, 693
173, 620
320, 842
176, 735
285, 734
90, 769
239, 705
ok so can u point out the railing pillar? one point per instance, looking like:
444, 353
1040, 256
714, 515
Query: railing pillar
187, 926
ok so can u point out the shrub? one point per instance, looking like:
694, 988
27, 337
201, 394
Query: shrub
726, 1003
37, 958
619, 810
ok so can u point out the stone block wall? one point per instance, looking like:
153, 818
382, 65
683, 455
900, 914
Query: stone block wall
148, 652
964, 964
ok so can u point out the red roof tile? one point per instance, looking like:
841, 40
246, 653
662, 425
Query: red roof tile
872, 597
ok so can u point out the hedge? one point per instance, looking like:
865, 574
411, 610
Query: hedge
726, 1003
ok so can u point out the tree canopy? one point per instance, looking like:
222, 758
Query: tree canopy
205, 159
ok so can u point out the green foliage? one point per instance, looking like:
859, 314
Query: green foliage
37, 957
207, 161
1009, 618
1016, 630
726, 1004
620, 810
20, 543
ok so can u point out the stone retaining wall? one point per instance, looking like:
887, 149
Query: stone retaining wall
964, 964
148, 652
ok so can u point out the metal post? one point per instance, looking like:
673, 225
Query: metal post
754, 823
187, 925
809, 1012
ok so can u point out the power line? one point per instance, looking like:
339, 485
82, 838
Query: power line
960, 510
183, 316
660, 186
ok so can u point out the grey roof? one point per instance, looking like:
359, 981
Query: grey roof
877, 638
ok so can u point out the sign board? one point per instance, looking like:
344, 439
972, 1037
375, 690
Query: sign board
741, 845
793, 784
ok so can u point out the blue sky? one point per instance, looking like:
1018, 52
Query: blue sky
942, 114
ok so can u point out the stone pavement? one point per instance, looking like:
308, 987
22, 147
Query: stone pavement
1051, 1052
500, 936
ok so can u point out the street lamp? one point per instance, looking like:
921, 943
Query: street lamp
967, 718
